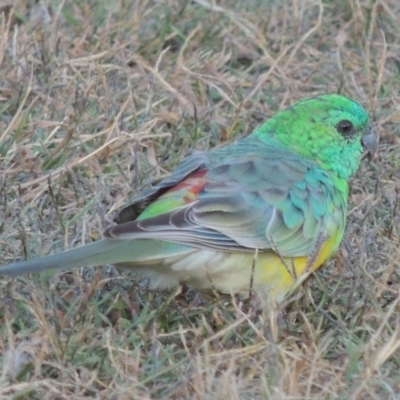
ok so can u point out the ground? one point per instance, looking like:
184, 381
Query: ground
98, 100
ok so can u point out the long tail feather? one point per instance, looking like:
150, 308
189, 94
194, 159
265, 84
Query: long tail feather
106, 251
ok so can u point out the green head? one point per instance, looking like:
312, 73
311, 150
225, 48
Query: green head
330, 129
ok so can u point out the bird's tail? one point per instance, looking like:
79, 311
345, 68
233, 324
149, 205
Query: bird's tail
106, 251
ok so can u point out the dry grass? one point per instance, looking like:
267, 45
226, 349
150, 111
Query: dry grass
100, 98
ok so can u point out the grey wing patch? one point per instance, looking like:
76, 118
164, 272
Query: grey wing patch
133, 210
251, 202
273, 205
178, 227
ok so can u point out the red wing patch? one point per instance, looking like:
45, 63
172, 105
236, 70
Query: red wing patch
192, 185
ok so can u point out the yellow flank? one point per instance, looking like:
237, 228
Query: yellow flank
279, 275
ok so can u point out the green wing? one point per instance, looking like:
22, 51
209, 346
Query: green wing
191, 164
252, 196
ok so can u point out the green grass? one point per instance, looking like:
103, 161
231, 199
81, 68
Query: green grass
99, 99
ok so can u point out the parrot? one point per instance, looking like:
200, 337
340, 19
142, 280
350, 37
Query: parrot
261, 213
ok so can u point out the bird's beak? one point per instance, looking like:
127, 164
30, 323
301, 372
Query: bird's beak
369, 140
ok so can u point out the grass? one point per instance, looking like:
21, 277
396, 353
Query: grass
97, 100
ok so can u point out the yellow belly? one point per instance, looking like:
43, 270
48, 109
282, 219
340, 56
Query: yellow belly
231, 272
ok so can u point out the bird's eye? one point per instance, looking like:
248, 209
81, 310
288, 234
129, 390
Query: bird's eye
345, 127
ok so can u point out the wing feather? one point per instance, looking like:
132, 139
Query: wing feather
259, 200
